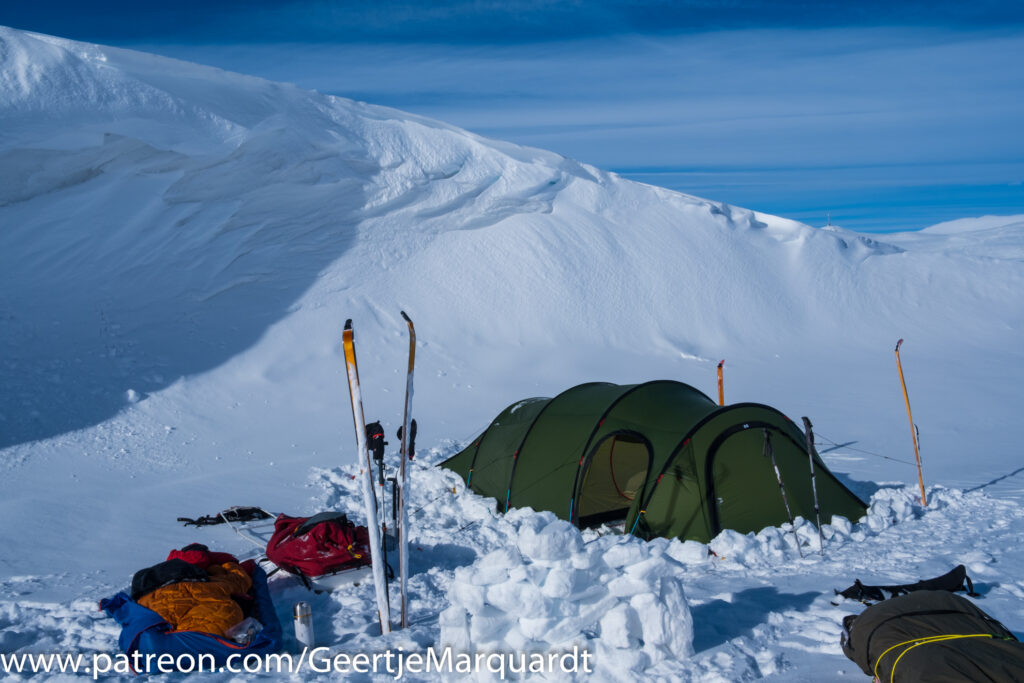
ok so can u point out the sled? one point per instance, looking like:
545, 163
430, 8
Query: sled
258, 532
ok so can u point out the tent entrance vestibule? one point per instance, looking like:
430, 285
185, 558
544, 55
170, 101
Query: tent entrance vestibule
613, 475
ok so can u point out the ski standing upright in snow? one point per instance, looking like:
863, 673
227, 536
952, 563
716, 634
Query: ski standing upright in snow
408, 437
721, 383
913, 427
366, 475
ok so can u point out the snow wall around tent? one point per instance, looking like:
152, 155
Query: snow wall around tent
660, 455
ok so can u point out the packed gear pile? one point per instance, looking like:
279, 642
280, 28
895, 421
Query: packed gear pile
196, 602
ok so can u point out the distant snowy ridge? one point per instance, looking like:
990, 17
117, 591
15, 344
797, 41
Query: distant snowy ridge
975, 224
989, 237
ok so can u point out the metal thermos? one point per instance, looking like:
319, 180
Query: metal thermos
304, 624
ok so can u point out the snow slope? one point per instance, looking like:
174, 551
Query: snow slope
180, 246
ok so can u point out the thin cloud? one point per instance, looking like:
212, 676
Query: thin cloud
801, 108
650, 84
479, 22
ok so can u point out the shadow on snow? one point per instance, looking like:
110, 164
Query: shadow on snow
719, 621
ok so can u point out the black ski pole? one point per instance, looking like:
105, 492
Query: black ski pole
376, 444
809, 434
394, 500
770, 453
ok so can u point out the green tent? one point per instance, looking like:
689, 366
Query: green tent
661, 456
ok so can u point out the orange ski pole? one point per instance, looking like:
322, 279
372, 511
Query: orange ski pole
721, 384
913, 428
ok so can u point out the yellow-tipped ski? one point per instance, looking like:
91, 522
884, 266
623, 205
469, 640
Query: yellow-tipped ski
366, 475
913, 428
721, 384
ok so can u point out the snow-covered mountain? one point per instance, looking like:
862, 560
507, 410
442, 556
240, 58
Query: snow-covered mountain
180, 246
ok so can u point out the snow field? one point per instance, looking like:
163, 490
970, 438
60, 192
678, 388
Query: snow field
660, 610
179, 247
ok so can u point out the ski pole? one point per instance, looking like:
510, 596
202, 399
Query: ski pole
770, 453
913, 427
809, 434
394, 500
376, 444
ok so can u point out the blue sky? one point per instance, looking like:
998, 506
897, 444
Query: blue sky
882, 115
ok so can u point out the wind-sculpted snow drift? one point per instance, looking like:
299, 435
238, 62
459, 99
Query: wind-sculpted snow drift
159, 217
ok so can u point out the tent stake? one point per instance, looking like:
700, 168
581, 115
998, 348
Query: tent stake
913, 427
809, 434
770, 453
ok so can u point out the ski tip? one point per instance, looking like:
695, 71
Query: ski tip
348, 324
898, 345
721, 362
405, 316
807, 422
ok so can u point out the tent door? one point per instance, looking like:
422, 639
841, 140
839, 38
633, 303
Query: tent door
743, 490
615, 473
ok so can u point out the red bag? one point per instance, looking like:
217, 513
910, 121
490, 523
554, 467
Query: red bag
318, 545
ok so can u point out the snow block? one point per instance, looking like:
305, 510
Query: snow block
666, 619
536, 629
522, 598
643, 571
623, 554
552, 543
491, 625
688, 552
620, 627
585, 560
627, 587
733, 545
841, 527
889, 507
559, 583
470, 596
454, 622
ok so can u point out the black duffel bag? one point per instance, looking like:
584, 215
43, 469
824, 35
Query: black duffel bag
932, 636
